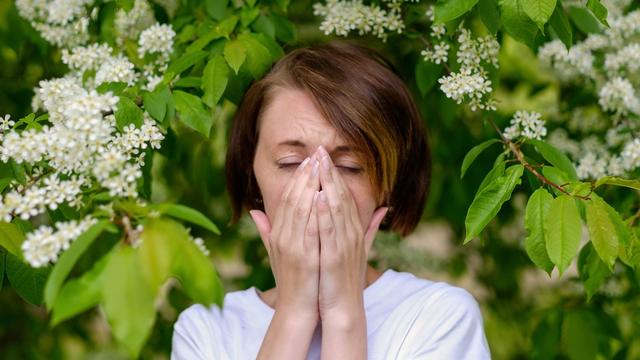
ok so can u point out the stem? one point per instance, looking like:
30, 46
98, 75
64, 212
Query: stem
518, 154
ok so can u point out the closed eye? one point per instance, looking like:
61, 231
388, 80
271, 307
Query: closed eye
293, 166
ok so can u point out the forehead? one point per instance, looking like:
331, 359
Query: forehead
290, 116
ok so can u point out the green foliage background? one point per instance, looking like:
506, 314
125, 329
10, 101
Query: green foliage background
527, 315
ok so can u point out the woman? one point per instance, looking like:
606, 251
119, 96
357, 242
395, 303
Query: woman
324, 150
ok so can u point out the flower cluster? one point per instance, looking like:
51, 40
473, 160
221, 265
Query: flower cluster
467, 85
129, 24
43, 245
607, 65
471, 82
76, 148
342, 16
526, 124
64, 23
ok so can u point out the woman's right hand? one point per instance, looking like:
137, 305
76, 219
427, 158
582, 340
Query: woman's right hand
293, 244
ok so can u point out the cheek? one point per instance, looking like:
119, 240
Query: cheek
365, 202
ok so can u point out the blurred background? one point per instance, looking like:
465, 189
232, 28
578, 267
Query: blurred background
521, 304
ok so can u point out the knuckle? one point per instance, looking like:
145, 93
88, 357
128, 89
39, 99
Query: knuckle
343, 195
328, 230
336, 208
300, 210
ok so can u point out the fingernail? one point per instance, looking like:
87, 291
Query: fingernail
304, 163
321, 196
322, 150
315, 196
325, 162
314, 171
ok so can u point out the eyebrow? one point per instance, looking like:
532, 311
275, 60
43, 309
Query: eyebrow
298, 143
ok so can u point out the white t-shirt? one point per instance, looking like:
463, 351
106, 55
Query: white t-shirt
407, 318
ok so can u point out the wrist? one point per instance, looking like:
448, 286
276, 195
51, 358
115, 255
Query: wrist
344, 318
296, 319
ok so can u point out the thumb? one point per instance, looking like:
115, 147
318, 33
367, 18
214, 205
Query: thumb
374, 224
263, 225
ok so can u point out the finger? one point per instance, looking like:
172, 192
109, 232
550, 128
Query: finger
264, 227
326, 227
311, 238
374, 225
301, 197
349, 204
333, 199
280, 215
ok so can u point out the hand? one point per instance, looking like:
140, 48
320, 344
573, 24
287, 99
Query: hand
344, 243
292, 243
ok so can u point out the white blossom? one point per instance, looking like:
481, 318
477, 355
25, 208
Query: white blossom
526, 124
591, 166
85, 58
618, 95
116, 69
129, 24
43, 245
6, 123
157, 39
438, 55
467, 85
340, 17
630, 155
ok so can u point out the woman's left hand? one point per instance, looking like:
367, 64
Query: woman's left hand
344, 245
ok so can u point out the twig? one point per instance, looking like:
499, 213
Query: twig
518, 154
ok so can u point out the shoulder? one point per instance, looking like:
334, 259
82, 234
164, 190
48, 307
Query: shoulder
203, 332
448, 323
196, 333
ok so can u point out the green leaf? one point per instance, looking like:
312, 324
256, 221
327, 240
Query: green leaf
612, 180
602, 231
226, 26
599, 10
258, 56
128, 299
517, 23
427, 74
563, 229
204, 40
496, 171
155, 103
539, 11
560, 24
117, 88
68, 259
489, 14
11, 238
447, 10
546, 336
622, 231
157, 251
192, 112
248, 15
195, 272
556, 158
186, 61
285, 30
473, 154
535, 243
128, 113
188, 82
274, 48
27, 281
556, 176
580, 335
488, 201
214, 80
187, 214
592, 270
3, 260
217, 9
235, 53
79, 294
583, 20
265, 26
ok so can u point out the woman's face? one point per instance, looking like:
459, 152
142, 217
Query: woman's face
291, 129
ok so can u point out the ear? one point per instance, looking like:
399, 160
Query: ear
374, 224
263, 225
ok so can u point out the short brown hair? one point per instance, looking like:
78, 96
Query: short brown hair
360, 94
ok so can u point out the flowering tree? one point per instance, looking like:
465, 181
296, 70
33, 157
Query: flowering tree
148, 81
